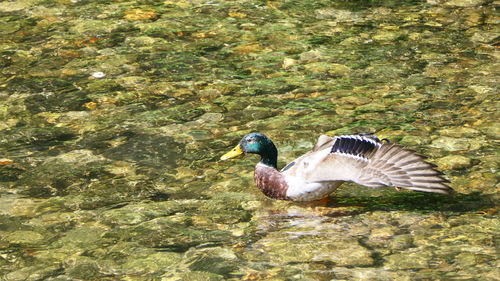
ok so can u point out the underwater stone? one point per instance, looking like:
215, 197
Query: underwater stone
192, 276
383, 233
288, 62
336, 69
413, 258
133, 81
19, 207
155, 263
200, 135
369, 274
172, 232
9, 27
81, 267
389, 34
143, 41
151, 150
371, 107
351, 41
98, 74
491, 129
24, 237
60, 278
11, 6
140, 14
122, 168
451, 144
466, 259
91, 26
306, 249
246, 49
55, 219
210, 118
354, 100
81, 157
82, 237
65, 170
32, 273
336, 15
315, 55
329, 68
482, 90
464, 3
452, 162
137, 213
401, 242
484, 37
458, 132
217, 260
414, 140
123, 217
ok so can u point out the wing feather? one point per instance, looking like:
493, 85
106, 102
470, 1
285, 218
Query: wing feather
363, 159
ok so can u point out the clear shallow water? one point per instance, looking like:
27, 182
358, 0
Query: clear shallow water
113, 117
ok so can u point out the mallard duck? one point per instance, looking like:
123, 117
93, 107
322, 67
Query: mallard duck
362, 158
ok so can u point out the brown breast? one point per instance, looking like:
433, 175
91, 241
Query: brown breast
271, 182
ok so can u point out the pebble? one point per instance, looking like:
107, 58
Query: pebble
464, 3
451, 144
453, 162
98, 74
24, 237
458, 132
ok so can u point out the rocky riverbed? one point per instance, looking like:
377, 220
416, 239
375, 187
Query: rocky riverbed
113, 117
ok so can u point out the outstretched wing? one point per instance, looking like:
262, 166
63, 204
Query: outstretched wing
365, 160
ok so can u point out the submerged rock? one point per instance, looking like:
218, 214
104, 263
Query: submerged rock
314, 248
386, 35
328, 68
155, 263
401, 242
452, 162
464, 3
83, 268
192, 276
32, 273
458, 132
336, 15
451, 144
56, 174
24, 237
216, 260
9, 27
133, 214
410, 259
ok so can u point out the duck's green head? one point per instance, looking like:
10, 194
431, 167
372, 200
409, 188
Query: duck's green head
256, 143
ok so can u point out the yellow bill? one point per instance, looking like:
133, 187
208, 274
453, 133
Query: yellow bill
236, 151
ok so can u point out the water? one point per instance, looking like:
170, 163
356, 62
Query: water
113, 118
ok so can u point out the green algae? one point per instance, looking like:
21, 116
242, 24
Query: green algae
113, 117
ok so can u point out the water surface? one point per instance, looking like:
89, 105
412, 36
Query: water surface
113, 117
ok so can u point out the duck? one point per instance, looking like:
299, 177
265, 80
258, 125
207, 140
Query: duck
360, 158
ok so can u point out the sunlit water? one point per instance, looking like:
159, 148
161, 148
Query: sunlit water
114, 115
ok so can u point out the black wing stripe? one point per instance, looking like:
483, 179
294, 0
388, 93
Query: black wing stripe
354, 145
